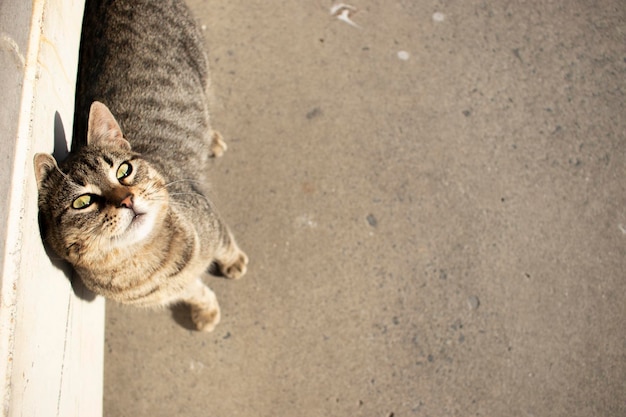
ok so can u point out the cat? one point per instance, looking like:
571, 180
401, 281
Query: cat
130, 209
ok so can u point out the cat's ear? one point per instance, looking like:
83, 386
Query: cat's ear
44, 164
103, 129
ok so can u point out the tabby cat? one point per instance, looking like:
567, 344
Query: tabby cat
129, 210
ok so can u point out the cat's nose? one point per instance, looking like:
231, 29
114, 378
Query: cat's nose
127, 201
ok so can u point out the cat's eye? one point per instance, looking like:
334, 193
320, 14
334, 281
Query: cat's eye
124, 170
83, 201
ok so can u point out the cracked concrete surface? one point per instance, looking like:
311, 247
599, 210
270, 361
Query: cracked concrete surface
438, 232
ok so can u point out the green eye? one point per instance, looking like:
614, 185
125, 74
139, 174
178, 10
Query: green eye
82, 202
124, 170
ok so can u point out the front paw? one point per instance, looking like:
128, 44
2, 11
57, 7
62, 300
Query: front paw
236, 269
205, 319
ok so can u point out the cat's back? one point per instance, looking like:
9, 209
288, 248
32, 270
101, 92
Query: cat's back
145, 60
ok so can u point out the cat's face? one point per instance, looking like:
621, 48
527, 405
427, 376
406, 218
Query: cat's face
104, 198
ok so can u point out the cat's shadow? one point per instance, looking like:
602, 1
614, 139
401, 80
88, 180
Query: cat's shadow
181, 313
60, 153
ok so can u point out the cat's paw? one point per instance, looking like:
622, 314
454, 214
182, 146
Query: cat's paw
218, 146
236, 269
205, 319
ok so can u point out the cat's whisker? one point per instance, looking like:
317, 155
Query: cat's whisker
179, 181
195, 194
152, 189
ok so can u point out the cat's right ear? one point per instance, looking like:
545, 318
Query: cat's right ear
44, 164
103, 129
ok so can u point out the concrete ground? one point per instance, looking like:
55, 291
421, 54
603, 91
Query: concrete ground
434, 206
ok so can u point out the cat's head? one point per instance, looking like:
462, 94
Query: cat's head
102, 199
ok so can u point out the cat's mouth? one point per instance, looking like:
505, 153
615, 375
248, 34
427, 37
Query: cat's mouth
136, 221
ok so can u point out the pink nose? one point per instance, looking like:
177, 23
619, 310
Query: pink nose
127, 201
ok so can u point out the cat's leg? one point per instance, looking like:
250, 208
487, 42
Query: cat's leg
218, 146
232, 261
205, 311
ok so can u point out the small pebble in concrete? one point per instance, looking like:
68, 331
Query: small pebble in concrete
473, 302
404, 55
372, 220
438, 17
315, 112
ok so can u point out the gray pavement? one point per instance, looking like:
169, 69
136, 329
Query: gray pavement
434, 208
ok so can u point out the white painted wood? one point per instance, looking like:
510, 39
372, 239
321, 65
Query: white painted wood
51, 336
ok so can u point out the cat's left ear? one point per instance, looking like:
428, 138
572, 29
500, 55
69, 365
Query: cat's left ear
44, 164
103, 129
